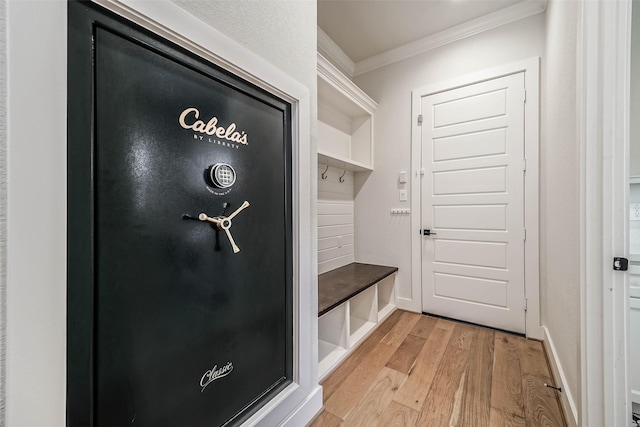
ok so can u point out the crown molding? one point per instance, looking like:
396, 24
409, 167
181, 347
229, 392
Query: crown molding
332, 74
329, 49
504, 16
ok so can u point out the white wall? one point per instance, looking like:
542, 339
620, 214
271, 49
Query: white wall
551, 36
281, 32
335, 218
635, 90
3, 194
36, 214
386, 239
560, 191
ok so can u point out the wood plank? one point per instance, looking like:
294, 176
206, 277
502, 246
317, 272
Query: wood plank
424, 327
369, 410
396, 335
355, 385
457, 402
405, 356
541, 406
331, 383
337, 286
476, 398
446, 324
414, 390
439, 388
533, 359
397, 415
326, 419
507, 406
439, 404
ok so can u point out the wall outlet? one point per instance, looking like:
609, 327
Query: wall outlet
400, 211
634, 212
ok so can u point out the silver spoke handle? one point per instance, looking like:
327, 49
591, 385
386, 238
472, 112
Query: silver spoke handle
224, 223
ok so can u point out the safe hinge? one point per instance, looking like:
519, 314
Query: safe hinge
525, 303
525, 96
524, 234
419, 119
524, 164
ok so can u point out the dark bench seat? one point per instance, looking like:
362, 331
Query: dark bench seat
339, 285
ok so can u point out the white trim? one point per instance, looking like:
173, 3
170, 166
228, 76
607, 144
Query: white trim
605, 64
566, 397
330, 73
409, 304
328, 48
531, 68
467, 29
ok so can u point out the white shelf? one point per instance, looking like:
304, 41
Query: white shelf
340, 162
386, 297
360, 329
344, 327
345, 121
332, 338
363, 314
329, 355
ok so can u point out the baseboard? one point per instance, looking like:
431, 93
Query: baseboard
408, 304
566, 398
306, 411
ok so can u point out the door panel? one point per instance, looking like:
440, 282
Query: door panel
472, 200
472, 289
471, 217
469, 107
471, 144
481, 254
487, 180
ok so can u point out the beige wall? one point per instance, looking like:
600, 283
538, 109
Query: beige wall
551, 36
3, 194
391, 87
281, 32
635, 90
560, 190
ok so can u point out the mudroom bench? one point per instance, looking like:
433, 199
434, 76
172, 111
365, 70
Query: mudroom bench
352, 301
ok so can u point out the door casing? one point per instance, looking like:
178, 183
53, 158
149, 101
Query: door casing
604, 64
531, 69
470, 281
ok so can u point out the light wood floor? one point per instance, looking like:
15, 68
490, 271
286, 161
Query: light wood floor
417, 370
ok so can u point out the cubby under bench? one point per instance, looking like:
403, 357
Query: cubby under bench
352, 301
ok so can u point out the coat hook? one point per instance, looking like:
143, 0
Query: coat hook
324, 174
343, 174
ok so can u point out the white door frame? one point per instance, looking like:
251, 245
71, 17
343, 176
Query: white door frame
604, 180
531, 68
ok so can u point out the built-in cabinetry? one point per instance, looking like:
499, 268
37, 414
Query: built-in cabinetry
353, 297
345, 121
352, 301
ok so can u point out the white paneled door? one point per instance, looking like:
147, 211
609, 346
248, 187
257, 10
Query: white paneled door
473, 203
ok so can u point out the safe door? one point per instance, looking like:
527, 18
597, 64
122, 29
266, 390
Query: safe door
179, 233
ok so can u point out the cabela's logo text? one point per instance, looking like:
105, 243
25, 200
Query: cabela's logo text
190, 119
215, 373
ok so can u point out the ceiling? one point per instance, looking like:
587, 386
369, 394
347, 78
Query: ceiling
366, 28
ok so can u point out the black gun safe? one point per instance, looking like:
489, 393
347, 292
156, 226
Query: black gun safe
179, 233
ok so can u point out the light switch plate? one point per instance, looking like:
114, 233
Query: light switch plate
402, 177
403, 195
